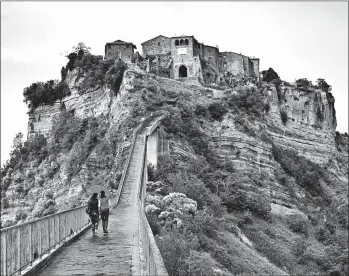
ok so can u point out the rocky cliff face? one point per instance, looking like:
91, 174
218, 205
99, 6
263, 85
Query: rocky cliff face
292, 119
93, 102
60, 180
309, 130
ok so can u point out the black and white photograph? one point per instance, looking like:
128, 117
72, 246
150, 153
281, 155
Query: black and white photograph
174, 138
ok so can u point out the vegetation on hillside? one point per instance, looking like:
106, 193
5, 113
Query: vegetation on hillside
270, 75
93, 72
45, 93
39, 164
232, 204
294, 243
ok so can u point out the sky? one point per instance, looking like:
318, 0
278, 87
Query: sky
297, 39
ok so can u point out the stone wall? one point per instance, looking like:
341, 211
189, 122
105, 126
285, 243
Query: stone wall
232, 62
211, 54
237, 64
255, 62
160, 45
161, 64
198, 48
124, 52
248, 66
180, 52
190, 53
183, 55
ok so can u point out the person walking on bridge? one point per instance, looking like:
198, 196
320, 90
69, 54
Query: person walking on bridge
104, 210
93, 211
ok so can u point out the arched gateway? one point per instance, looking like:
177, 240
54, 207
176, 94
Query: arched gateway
183, 72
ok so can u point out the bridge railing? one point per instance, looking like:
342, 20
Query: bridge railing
151, 253
25, 243
115, 200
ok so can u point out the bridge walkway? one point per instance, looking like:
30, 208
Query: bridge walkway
115, 253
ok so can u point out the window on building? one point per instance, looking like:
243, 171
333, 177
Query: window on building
158, 43
181, 42
109, 46
186, 42
199, 46
127, 46
177, 42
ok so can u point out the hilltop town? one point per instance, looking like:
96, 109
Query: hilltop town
255, 172
181, 57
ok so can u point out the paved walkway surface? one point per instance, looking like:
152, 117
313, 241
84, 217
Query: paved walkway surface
114, 253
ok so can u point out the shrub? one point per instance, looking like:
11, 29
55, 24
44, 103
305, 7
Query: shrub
217, 110
302, 82
198, 263
269, 75
323, 85
204, 223
246, 219
66, 130
44, 93
114, 75
35, 148
298, 224
175, 247
201, 110
257, 204
249, 101
154, 223
151, 172
322, 234
277, 82
306, 173
20, 215
299, 247
191, 186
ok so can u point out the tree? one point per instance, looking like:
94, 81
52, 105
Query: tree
269, 75
323, 85
81, 49
302, 82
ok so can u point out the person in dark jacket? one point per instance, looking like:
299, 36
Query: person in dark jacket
94, 211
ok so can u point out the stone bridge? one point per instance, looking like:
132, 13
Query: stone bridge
63, 244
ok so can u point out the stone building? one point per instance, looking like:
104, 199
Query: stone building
236, 63
185, 57
120, 50
255, 62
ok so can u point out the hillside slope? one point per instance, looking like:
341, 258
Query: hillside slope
263, 166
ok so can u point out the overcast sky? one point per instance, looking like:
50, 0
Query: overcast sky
297, 39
